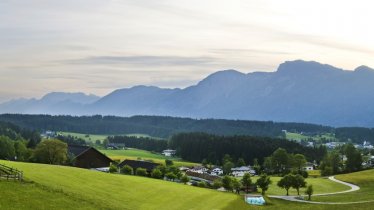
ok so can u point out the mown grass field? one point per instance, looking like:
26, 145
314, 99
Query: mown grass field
60, 187
93, 137
299, 137
320, 185
364, 179
134, 154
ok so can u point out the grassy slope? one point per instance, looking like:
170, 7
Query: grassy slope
135, 153
364, 179
299, 137
58, 187
108, 191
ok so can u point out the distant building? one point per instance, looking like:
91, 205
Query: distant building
149, 166
309, 167
199, 169
240, 171
216, 172
116, 146
169, 152
88, 157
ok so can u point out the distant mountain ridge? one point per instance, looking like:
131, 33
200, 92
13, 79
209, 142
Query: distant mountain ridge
299, 91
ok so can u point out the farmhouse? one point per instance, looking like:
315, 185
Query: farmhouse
240, 171
309, 167
216, 172
88, 157
169, 152
149, 166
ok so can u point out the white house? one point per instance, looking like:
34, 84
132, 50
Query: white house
168, 152
308, 167
240, 171
216, 172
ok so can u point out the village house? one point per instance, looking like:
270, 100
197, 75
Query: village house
216, 172
240, 171
168, 152
308, 167
88, 157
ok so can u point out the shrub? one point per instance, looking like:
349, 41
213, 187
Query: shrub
127, 170
185, 179
201, 184
113, 168
156, 173
217, 184
141, 172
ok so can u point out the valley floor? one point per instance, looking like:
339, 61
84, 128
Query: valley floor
60, 187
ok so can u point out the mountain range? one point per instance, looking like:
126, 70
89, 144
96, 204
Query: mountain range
298, 91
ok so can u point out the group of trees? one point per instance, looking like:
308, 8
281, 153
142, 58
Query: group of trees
198, 147
281, 162
234, 185
295, 181
342, 159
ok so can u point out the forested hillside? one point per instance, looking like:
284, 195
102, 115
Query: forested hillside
158, 126
199, 146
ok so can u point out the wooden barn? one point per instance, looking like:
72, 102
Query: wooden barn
149, 166
88, 157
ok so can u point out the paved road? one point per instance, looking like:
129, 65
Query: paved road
352, 186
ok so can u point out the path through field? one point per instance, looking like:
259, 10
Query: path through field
352, 186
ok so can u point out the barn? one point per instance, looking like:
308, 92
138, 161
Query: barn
149, 166
88, 157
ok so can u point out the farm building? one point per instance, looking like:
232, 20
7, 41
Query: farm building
88, 157
240, 171
149, 166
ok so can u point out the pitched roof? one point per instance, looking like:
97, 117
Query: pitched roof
76, 150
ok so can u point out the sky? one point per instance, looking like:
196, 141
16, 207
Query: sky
96, 46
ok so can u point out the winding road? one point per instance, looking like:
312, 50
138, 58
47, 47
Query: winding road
295, 198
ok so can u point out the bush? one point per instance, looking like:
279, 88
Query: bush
113, 168
201, 184
156, 173
127, 170
185, 179
327, 171
217, 184
141, 172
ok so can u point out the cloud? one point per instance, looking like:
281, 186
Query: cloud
144, 60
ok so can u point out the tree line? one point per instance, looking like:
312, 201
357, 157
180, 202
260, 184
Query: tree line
158, 126
197, 147
144, 143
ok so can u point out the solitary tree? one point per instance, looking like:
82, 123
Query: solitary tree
309, 191
227, 183
185, 179
217, 184
299, 161
286, 182
263, 182
156, 173
298, 182
51, 151
246, 181
236, 185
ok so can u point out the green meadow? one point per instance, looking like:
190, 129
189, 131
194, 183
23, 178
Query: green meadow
134, 154
93, 137
61, 187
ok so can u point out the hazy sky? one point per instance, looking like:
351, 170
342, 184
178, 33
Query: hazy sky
95, 46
